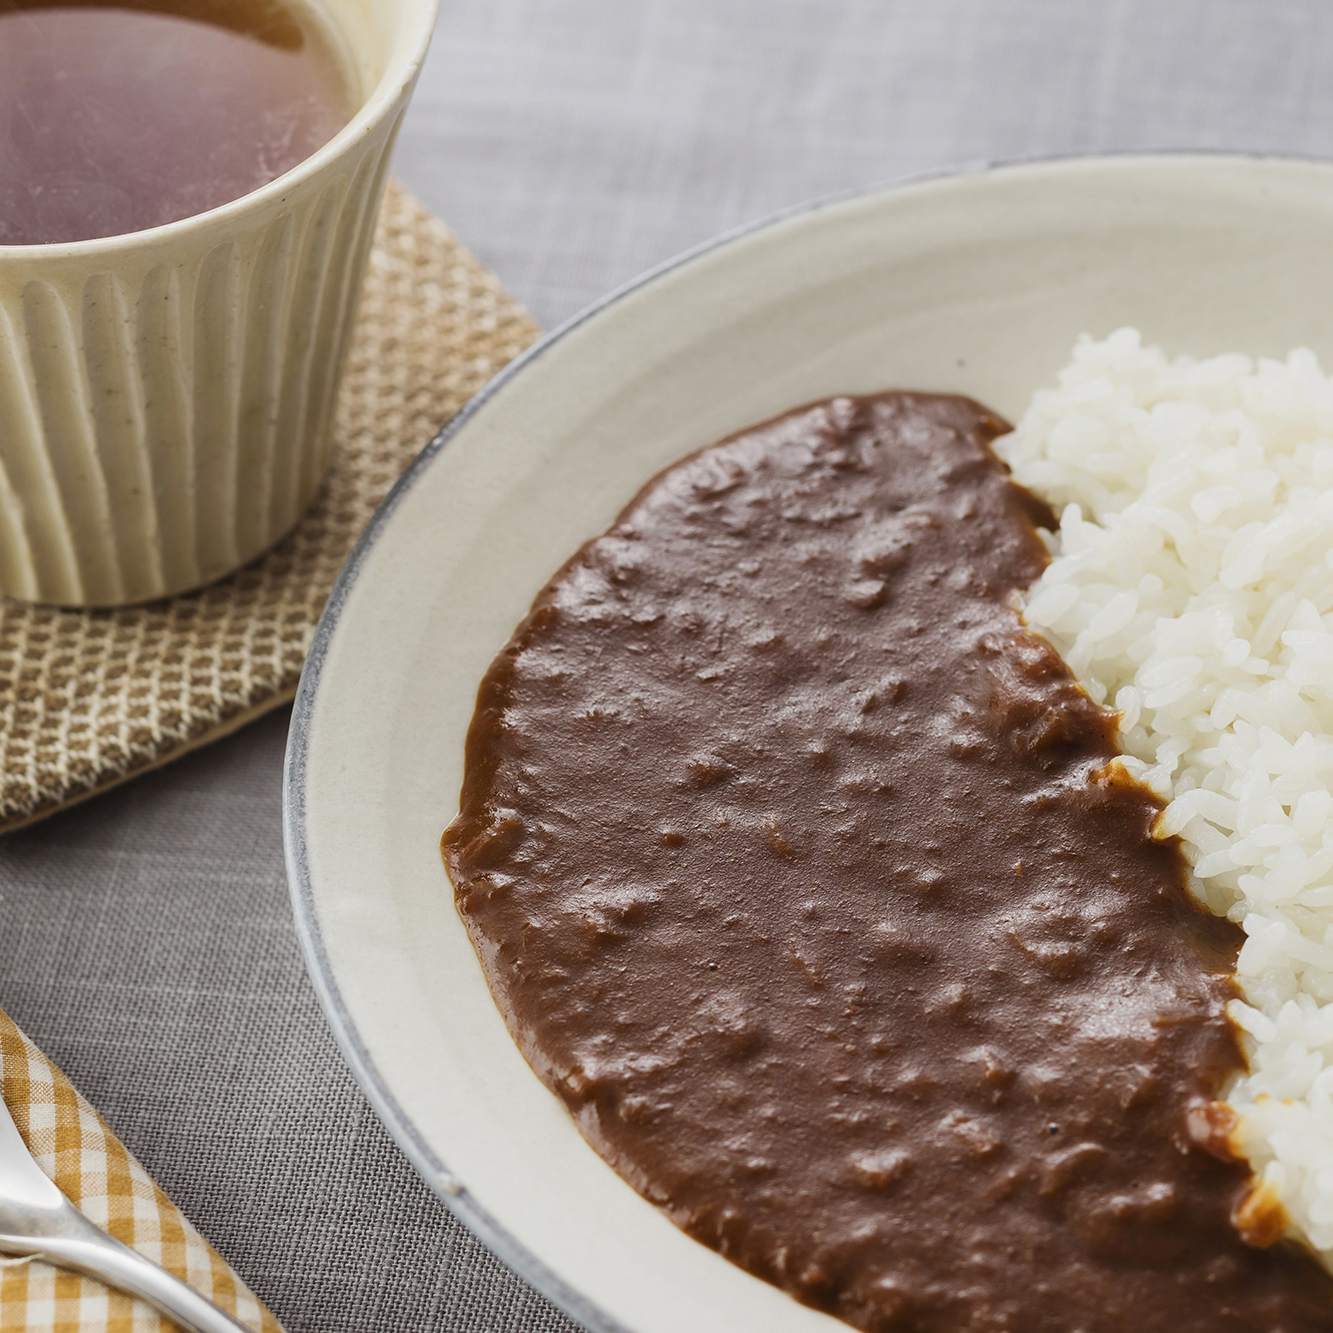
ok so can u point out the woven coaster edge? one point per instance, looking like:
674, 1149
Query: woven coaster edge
215, 733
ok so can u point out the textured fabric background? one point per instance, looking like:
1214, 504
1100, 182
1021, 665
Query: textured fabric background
145, 938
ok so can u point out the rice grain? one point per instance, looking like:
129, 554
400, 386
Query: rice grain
1191, 588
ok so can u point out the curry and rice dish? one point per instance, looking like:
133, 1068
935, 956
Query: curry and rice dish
815, 882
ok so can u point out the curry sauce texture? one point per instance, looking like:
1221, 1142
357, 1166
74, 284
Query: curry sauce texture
802, 872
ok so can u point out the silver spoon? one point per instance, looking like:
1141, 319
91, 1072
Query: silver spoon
36, 1219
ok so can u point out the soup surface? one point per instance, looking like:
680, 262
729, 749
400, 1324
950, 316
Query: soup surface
115, 118
804, 875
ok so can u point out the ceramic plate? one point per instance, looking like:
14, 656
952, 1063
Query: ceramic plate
975, 283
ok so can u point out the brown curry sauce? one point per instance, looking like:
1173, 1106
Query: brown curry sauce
802, 873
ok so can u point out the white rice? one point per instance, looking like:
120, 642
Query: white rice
1192, 588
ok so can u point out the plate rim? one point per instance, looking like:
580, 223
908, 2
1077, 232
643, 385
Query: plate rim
434, 1172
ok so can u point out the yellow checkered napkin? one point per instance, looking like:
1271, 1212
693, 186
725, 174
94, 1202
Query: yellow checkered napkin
73, 1145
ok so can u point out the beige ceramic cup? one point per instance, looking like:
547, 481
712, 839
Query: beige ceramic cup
166, 397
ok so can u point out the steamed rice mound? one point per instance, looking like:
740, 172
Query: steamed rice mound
1191, 588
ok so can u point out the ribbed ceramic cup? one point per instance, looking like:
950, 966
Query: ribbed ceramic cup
166, 397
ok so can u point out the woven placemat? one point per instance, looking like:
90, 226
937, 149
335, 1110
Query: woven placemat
90, 698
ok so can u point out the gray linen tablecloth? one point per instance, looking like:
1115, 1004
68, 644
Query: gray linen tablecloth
145, 938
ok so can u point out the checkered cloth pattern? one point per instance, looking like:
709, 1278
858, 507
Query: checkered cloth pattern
73, 1145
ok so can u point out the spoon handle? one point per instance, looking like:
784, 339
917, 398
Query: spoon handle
71, 1241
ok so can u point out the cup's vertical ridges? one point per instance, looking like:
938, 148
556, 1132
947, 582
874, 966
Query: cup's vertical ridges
312, 284
37, 535
349, 260
327, 360
16, 563
270, 283
54, 336
165, 360
219, 323
116, 394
